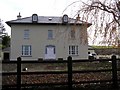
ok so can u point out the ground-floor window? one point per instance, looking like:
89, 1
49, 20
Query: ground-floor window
73, 50
26, 50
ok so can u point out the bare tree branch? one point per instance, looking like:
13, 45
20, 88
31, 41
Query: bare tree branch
105, 17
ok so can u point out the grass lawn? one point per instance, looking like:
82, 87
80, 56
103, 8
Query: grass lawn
46, 78
58, 66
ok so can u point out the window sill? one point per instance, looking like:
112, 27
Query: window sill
26, 38
26, 56
74, 55
50, 38
72, 38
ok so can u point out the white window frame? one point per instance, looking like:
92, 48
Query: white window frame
26, 33
34, 17
73, 49
50, 34
26, 50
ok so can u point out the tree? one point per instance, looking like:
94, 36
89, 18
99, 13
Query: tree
2, 31
5, 41
4, 38
105, 18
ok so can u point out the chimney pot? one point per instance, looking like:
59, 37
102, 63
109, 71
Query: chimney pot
19, 16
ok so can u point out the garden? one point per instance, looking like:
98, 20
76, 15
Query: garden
77, 78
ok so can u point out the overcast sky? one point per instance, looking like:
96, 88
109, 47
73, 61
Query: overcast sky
10, 8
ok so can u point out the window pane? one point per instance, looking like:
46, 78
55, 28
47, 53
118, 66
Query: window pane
30, 49
77, 50
26, 34
26, 50
35, 18
50, 34
73, 50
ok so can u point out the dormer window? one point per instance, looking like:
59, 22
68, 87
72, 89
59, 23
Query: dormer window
34, 18
65, 18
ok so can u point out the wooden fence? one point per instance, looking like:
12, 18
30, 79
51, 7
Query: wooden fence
115, 81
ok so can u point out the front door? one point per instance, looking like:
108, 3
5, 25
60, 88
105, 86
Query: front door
50, 52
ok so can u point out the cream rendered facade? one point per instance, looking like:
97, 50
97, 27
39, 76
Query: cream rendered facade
38, 40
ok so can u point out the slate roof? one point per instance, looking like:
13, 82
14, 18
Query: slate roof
44, 20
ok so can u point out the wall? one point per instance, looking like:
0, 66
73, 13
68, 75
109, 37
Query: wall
38, 39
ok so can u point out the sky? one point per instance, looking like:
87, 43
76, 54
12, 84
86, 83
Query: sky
11, 8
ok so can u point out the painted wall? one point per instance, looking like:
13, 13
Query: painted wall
39, 39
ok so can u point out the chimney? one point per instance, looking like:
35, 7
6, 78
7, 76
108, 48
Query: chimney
19, 16
78, 18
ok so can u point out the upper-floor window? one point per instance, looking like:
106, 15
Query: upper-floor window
26, 34
72, 33
26, 50
73, 50
50, 34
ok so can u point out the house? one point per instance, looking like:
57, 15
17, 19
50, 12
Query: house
48, 38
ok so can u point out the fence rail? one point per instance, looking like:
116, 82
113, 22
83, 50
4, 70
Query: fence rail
69, 72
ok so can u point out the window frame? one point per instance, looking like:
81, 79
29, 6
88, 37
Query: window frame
73, 33
26, 50
73, 50
48, 47
26, 34
34, 18
50, 34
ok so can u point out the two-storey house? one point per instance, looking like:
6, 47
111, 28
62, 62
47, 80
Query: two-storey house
48, 38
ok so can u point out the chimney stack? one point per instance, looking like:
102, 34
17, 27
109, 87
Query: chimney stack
19, 16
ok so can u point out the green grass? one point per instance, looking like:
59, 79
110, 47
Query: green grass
103, 47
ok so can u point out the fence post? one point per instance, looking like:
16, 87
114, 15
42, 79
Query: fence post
114, 72
69, 65
19, 73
